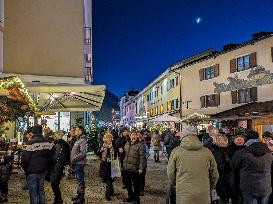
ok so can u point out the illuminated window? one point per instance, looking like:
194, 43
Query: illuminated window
161, 108
169, 106
156, 110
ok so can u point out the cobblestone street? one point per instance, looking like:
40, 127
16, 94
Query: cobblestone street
155, 190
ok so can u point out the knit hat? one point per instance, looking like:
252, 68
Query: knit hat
267, 134
188, 131
252, 135
124, 129
37, 130
239, 134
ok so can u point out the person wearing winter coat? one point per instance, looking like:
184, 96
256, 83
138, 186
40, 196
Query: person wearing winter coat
237, 143
220, 153
119, 147
78, 162
35, 160
176, 141
107, 156
192, 169
254, 164
133, 165
168, 138
156, 143
60, 158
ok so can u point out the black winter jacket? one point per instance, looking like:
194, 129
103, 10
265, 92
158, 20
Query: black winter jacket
36, 155
254, 164
223, 166
60, 158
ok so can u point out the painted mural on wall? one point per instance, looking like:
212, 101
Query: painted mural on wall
258, 76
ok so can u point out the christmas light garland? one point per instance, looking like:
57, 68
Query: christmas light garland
10, 82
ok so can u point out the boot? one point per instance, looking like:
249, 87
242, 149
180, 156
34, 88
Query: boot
80, 199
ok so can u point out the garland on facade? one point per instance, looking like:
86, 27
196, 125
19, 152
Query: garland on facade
10, 82
12, 109
195, 119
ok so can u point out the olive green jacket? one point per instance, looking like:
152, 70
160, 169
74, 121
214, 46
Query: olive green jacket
193, 170
135, 156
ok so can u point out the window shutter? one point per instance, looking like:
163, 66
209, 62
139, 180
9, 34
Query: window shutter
217, 99
202, 100
253, 61
201, 74
216, 70
234, 97
272, 53
253, 94
232, 65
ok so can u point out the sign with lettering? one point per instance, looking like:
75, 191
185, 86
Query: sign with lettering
257, 77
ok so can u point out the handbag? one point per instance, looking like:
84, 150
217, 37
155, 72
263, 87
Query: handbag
115, 169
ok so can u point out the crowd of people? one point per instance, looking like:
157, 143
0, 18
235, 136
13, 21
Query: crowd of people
237, 166
203, 168
45, 156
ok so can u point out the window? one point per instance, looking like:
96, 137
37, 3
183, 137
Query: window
170, 84
244, 95
161, 108
209, 72
243, 63
148, 98
161, 89
169, 106
210, 100
156, 110
176, 105
88, 58
87, 35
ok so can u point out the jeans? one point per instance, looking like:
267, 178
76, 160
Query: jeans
249, 199
35, 184
108, 179
56, 190
156, 155
132, 179
79, 174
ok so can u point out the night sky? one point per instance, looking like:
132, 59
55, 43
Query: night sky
134, 41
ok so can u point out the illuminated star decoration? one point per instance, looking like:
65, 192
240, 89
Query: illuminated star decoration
198, 20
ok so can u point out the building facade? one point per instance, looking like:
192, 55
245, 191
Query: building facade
60, 42
127, 115
48, 42
211, 82
240, 74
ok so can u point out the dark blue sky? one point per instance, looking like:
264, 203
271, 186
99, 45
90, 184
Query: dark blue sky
136, 40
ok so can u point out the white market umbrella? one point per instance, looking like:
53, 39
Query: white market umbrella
166, 118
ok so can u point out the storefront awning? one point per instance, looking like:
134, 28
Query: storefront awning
67, 97
247, 110
165, 118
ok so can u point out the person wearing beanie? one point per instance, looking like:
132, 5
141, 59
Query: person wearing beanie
119, 147
253, 162
35, 160
192, 166
60, 158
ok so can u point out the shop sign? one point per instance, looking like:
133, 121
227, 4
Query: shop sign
257, 77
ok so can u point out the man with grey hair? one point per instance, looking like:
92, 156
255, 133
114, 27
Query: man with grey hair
192, 169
